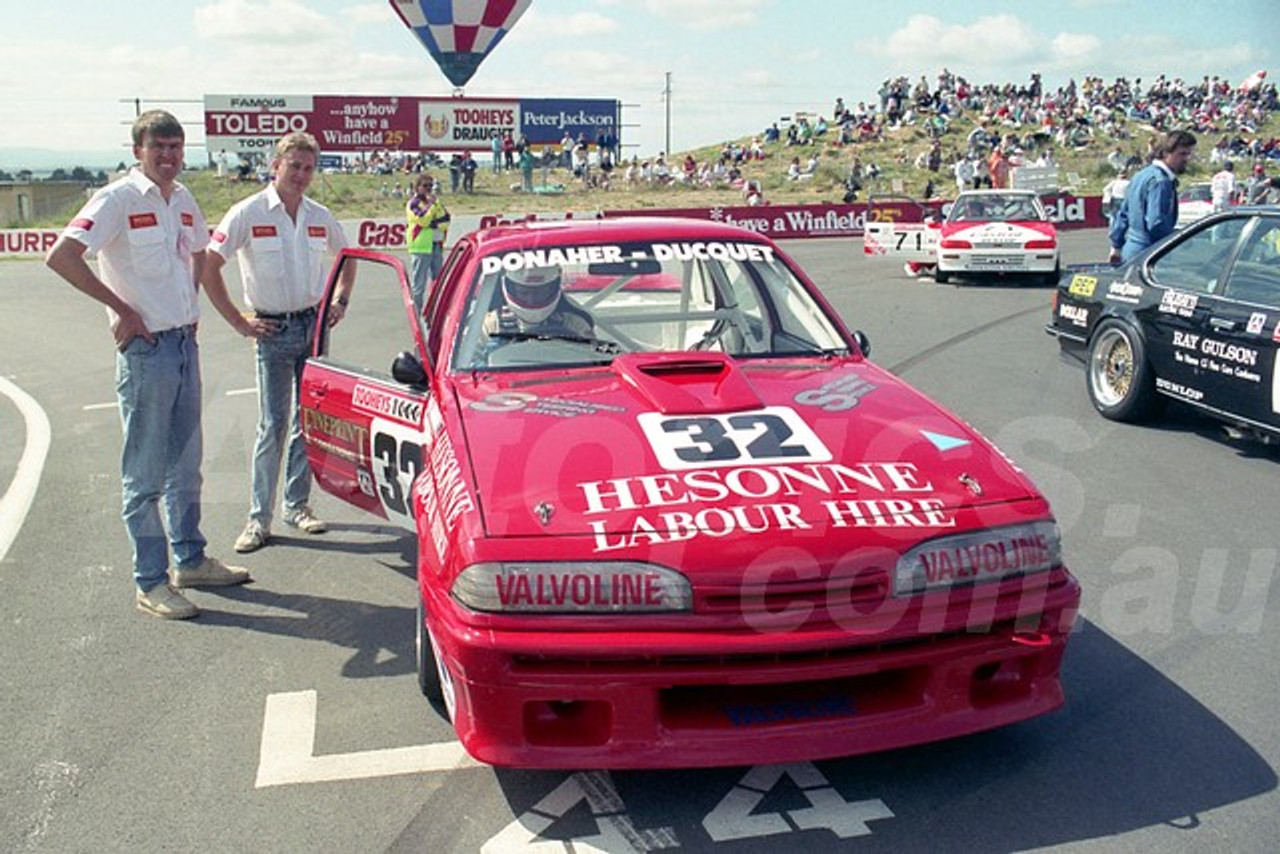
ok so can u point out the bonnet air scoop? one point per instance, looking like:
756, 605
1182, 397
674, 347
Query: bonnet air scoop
687, 383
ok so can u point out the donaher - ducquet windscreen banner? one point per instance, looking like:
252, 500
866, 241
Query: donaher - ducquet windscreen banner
349, 124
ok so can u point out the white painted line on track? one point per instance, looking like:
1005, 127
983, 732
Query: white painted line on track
22, 491
230, 393
286, 756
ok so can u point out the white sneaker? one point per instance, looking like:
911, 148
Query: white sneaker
166, 603
210, 573
304, 520
252, 538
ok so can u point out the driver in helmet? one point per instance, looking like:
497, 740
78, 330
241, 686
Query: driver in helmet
535, 304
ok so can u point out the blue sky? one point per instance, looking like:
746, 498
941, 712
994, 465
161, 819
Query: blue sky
70, 69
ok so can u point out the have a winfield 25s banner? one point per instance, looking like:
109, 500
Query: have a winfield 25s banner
244, 124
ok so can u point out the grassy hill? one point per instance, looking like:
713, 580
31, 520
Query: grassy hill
361, 196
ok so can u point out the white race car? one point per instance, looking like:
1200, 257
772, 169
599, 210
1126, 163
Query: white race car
1194, 202
982, 233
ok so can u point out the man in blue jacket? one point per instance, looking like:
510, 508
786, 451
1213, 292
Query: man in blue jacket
1150, 209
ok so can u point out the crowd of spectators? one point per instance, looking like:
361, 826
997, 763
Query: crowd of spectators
1015, 125
1073, 115
1008, 126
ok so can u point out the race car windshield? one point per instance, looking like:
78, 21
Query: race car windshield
996, 208
604, 300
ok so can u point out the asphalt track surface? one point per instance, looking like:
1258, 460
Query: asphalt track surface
287, 718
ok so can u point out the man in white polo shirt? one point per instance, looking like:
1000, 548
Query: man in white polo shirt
149, 236
282, 240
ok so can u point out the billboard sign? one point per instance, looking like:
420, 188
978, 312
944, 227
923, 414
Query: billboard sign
464, 124
544, 121
248, 124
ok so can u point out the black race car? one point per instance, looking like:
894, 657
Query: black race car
1195, 317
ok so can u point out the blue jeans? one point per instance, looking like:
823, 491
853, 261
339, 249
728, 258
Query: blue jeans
419, 272
423, 267
158, 386
281, 357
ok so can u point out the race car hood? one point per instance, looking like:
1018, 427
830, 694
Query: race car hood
999, 234
663, 440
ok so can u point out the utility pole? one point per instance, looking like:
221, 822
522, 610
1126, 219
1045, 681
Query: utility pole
666, 94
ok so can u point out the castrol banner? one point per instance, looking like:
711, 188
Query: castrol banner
781, 222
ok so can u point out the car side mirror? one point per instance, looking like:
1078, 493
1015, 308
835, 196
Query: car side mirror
407, 369
864, 343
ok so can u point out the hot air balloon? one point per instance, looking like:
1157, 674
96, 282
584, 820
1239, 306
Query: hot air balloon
1253, 81
460, 33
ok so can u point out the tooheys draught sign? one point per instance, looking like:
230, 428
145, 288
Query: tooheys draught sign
464, 124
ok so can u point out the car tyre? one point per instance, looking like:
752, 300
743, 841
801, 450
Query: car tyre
428, 670
1119, 378
940, 277
1051, 278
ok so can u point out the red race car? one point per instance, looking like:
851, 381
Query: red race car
668, 514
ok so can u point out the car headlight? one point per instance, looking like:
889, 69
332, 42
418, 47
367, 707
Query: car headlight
978, 556
572, 588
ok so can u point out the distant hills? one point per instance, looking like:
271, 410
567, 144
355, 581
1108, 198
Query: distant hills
43, 160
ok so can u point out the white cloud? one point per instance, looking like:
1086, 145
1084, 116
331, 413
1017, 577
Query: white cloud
370, 13
264, 22
757, 78
587, 24
707, 14
536, 24
584, 63
927, 42
1076, 49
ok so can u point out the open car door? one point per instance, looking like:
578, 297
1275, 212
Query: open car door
901, 227
363, 427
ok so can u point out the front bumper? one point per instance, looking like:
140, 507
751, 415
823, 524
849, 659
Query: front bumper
718, 698
977, 261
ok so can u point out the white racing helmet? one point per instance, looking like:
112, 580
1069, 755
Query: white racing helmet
532, 292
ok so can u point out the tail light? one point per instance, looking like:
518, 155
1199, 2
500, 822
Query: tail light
1042, 244
952, 243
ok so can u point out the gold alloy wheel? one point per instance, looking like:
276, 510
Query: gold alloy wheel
1111, 370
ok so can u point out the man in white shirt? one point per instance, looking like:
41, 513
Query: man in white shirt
963, 170
1222, 187
281, 239
149, 237
566, 150
1113, 192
